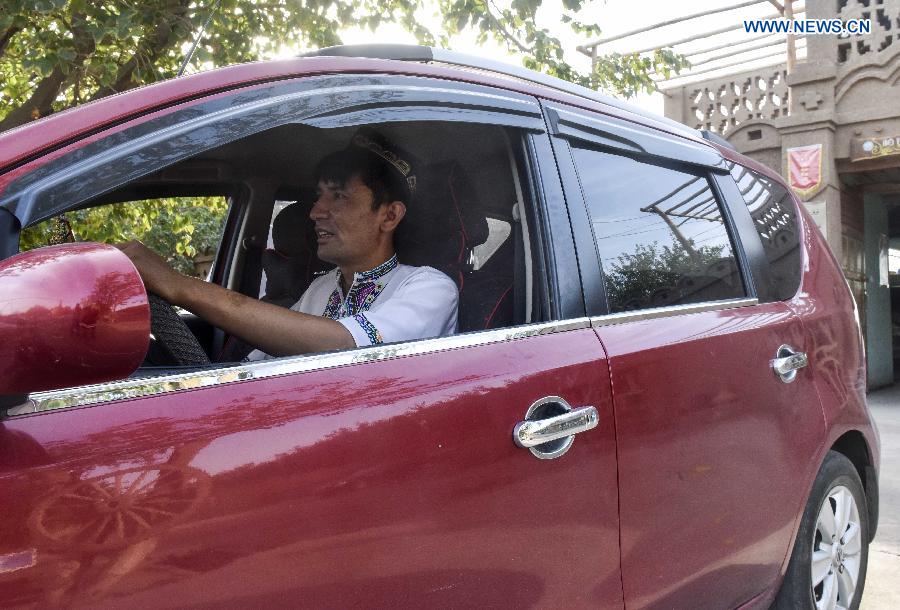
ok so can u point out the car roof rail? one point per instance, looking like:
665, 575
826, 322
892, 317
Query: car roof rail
715, 138
419, 53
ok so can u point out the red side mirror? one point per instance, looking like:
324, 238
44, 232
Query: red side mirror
70, 315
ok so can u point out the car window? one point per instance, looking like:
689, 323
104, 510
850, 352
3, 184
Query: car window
183, 230
775, 219
472, 220
462, 221
659, 232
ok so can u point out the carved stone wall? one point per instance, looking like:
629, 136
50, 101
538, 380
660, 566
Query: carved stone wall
724, 104
885, 34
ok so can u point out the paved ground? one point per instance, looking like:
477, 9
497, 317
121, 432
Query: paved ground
883, 582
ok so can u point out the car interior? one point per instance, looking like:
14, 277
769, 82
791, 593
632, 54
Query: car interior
470, 219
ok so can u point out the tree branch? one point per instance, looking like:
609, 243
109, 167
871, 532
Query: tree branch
506, 34
48, 89
153, 45
7, 36
39, 103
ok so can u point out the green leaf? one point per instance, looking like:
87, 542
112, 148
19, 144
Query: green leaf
44, 66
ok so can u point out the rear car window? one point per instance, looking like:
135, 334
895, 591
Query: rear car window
775, 219
659, 232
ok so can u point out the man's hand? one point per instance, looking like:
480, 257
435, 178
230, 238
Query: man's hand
158, 276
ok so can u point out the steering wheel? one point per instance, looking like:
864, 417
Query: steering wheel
175, 343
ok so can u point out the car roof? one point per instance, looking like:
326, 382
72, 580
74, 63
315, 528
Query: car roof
21, 144
418, 53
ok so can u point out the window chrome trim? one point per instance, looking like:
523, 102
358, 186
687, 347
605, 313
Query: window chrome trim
672, 310
40, 402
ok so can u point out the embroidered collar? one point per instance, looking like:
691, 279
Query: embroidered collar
373, 274
363, 292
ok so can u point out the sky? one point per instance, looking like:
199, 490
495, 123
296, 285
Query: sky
615, 17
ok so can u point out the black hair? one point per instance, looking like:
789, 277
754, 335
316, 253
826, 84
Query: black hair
385, 182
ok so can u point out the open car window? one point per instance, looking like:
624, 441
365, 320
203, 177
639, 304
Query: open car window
473, 220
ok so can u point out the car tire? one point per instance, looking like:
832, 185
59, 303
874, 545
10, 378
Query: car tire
821, 574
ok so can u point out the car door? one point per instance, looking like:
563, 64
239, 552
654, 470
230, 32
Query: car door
713, 447
376, 477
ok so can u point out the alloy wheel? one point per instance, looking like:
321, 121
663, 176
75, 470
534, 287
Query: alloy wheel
837, 551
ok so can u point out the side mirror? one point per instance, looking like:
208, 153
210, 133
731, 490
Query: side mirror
70, 315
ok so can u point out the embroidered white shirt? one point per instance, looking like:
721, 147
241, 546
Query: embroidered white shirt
390, 303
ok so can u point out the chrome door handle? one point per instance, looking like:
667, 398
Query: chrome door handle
550, 426
787, 362
533, 433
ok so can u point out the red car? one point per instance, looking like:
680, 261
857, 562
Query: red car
656, 397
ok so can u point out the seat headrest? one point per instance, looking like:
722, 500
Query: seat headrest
446, 220
292, 230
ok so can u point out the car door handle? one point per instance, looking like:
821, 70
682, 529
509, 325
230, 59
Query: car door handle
787, 362
537, 432
550, 426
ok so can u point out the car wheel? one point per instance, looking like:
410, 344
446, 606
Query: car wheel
828, 564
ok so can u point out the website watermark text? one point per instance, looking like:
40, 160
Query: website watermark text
808, 26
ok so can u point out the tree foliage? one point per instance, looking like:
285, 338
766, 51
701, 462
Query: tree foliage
636, 280
55, 54
177, 228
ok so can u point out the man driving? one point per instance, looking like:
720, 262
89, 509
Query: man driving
369, 298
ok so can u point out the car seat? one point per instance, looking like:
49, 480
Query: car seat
291, 263
443, 226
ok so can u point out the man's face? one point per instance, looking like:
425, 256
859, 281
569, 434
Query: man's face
347, 228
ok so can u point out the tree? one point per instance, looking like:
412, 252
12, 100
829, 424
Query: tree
55, 54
